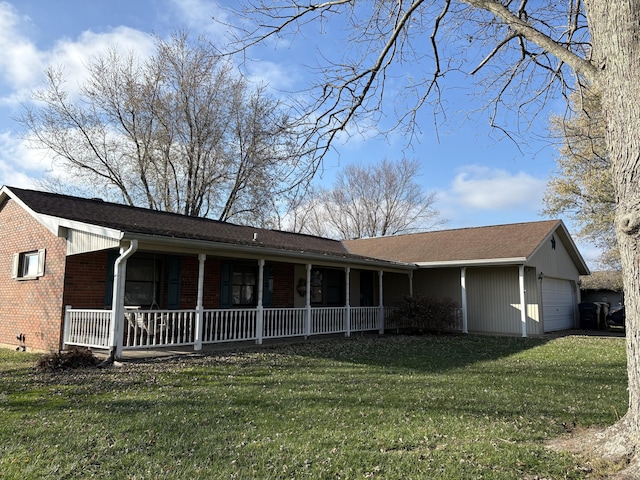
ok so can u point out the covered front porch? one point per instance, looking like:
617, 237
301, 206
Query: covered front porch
145, 329
235, 299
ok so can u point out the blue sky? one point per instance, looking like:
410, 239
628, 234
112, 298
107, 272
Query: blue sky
481, 178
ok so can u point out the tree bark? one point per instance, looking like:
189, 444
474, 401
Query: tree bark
615, 30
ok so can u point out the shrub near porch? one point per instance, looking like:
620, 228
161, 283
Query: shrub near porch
446, 407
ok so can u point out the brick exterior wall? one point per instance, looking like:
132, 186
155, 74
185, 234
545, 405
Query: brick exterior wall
86, 280
35, 308
283, 285
32, 308
189, 283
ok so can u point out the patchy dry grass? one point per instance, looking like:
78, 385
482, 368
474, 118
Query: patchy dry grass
441, 407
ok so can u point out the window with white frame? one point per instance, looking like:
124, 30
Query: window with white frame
28, 265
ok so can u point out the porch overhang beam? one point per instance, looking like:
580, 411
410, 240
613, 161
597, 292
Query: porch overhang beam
267, 253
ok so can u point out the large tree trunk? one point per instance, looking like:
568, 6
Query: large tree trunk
615, 30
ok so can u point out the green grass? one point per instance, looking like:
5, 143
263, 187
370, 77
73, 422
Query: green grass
444, 407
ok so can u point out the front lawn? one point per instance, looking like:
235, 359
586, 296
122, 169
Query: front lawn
393, 407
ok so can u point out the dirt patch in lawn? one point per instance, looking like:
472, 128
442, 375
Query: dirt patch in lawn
600, 456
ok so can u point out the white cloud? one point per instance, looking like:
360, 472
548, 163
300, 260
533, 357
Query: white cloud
19, 165
203, 16
22, 64
20, 61
483, 188
22, 67
74, 55
483, 195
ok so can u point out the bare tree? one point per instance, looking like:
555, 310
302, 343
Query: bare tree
370, 201
524, 53
179, 132
581, 187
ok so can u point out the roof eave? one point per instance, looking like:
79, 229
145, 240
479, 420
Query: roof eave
54, 223
474, 263
205, 246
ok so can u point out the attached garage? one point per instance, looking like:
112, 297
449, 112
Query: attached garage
515, 279
558, 304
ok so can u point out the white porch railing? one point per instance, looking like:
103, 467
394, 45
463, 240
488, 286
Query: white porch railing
327, 320
284, 322
229, 325
162, 328
365, 318
152, 328
87, 328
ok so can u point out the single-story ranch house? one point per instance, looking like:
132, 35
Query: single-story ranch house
77, 271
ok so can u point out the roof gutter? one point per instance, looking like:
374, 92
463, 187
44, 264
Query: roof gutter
472, 263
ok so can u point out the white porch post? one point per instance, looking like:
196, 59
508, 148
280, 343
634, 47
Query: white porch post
347, 316
523, 301
381, 306
260, 309
307, 320
463, 295
116, 329
199, 308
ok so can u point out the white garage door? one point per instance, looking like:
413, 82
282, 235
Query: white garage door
558, 304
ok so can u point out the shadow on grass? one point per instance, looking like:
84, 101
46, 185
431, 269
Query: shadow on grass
423, 353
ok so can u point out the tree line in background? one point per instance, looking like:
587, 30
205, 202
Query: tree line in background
371, 200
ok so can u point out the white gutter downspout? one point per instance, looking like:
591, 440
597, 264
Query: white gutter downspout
117, 313
463, 298
523, 301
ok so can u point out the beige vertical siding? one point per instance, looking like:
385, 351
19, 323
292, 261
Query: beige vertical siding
299, 274
532, 297
438, 283
395, 287
493, 300
83, 242
555, 263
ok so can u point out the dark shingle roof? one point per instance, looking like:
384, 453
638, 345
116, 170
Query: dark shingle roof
518, 240
136, 220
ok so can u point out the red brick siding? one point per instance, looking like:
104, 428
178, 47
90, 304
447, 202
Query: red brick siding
212, 283
33, 308
283, 285
86, 280
189, 283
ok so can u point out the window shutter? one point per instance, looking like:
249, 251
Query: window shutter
173, 296
16, 265
41, 259
225, 292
